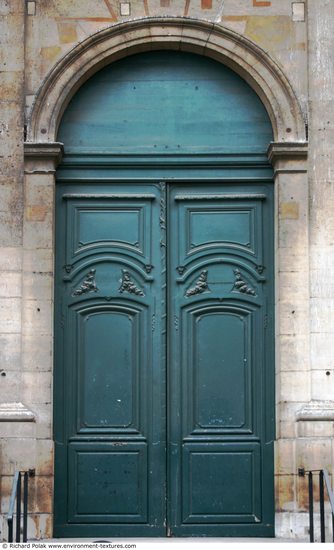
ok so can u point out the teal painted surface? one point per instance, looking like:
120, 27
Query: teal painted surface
110, 372
170, 102
121, 378
220, 360
164, 361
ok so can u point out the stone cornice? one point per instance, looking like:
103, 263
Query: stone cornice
42, 157
316, 411
287, 150
44, 151
15, 412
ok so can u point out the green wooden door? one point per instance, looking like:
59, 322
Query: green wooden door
220, 366
164, 367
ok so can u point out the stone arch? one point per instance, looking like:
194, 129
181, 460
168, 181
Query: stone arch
185, 34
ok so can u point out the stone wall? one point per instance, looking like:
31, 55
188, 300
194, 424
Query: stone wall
298, 36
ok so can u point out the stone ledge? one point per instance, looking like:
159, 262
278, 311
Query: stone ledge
284, 149
46, 154
16, 412
316, 411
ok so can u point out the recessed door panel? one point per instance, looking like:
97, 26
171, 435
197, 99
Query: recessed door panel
219, 221
209, 495
220, 362
108, 368
107, 482
206, 228
111, 221
96, 225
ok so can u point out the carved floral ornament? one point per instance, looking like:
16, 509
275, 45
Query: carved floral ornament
240, 285
88, 285
201, 285
127, 285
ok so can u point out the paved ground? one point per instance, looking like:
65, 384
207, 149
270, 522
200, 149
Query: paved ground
167, 540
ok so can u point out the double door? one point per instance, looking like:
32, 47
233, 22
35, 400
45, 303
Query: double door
164, 360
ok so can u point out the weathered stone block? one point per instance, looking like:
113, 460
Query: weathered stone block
289, 210
294, 352
285, 457
11, 259
298, 11
39, 190
17, 430
292, 233
36, 213
10, 284
294, 526
10, 352
313, 454
36, 387
39, 526
44, 460
37, 286
285, 493
38, 260
294, 318
10, 315
286, 429
39, 234
295, 386
322, 384
302, 492
41, 494
37, 352
37, 317
322, 283
10, 385
293, 260
43, 423
311, 428
322, 315
17, 454
10, 229
292, 285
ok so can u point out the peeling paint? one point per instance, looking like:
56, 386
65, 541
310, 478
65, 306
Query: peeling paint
270, 31
51, 53
36, 213
67, 32
289, 210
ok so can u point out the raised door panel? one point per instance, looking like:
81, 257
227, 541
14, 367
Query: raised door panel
108, 360
210, 495
109, 221
108, 482
219, 367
